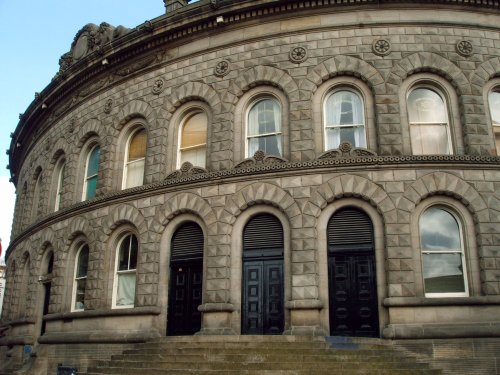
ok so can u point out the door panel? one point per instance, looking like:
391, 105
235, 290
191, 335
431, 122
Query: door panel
184, 299
353, 294
262, 302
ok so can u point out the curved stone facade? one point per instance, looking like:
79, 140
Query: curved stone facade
219, 58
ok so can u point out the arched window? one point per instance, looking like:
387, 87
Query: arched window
429, 122
264, 127
24, 288
60, 183
193, 139
80, 278
494, 104
125, 275
91, 173
135, 159
443, 259
344, 119
36, 196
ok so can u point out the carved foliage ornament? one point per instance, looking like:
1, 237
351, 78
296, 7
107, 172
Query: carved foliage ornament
187, 169
381, 47
260, 158
222, 68
464, 48
346, 150
298, 54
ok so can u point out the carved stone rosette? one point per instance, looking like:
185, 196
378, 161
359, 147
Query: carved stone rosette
464, 48
298, 54
222, 68
381, 47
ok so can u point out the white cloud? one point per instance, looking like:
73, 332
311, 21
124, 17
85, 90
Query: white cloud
7, 200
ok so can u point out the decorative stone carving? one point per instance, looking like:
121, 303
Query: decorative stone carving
260, 158
298, 54
72, 125
108, 106
138, 65
222, 68
93, 87
187, 169
158, 86
381, 47
346, 150
464, 48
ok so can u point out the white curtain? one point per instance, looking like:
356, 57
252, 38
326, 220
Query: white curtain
135, 173
125, 294
429, 139
197, 156
265, 118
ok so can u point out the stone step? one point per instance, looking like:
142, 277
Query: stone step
361, 371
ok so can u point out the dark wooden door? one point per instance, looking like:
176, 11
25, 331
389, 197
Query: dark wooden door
184, 298
262, 305
353, 294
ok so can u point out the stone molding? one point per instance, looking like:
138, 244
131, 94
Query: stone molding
89, 314
448, 301
318, 165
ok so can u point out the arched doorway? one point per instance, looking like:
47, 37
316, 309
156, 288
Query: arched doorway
351, 274
263, 291
186, 280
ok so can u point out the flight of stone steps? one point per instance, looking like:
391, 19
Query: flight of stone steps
260, 355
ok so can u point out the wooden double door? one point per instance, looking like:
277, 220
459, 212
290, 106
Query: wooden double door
352, 285
262, 305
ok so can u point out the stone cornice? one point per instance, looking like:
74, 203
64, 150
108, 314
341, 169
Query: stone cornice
145, 39
340, 164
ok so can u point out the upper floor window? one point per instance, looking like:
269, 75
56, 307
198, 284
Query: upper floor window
91, 173
193, 139
494, 104
264, 128
135, 159
443, 258
429, 122
60, 183
125, 276
80, 280
36, 196
344, 119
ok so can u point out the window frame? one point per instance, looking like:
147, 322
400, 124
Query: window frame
126, 158
450, 96
76, 278
59, 171
180, 134
35, 203
462, 252
279, 134
86, 178
330, 93
492, 86
117, 272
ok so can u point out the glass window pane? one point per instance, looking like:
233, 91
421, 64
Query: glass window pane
429, 139
426, 106
80, 294
354, 135
134, 247
443, 273
497, 139
195, 156
344, 108
264, 117
91, 187
137, 146
93, 162
494, 104
135, 174
126, 289
60, 183
271, 145
83, 262
123, 256
194, 131
439, 231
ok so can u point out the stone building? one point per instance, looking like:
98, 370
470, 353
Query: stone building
295, 167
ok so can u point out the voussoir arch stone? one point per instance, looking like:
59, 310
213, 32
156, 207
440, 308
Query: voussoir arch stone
134, 109
264, 75
90, 128
261, 193
347, 186
180, 204
431, 63
442, 183
343, 65
78, 226
483, 73
192, 91
124, 214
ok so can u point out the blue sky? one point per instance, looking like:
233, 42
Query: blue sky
33, 35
